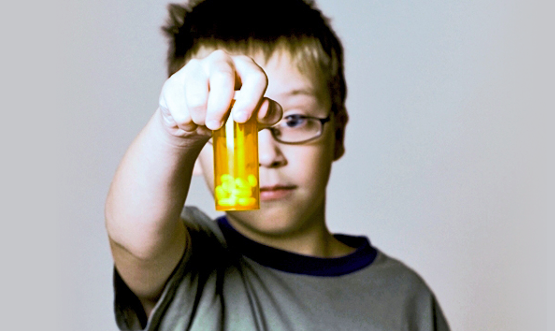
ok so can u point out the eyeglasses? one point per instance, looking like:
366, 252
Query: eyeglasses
297, 129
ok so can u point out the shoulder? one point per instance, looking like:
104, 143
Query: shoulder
206, 237
407, 289
396, 273
199, 224
197, 220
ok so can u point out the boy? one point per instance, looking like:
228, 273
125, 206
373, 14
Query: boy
276, 268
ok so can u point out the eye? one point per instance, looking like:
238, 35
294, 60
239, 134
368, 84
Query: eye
294, 121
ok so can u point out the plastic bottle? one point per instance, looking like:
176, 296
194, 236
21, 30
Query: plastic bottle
236, 165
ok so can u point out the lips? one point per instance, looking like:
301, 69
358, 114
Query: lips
275, 192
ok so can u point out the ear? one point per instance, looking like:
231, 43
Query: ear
197, 169
340, 121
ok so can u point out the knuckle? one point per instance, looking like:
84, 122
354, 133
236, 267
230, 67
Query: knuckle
223, 75
191, 69
194, 62
243, 58
168, 85
219, 54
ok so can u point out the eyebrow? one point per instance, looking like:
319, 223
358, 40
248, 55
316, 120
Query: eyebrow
300, 91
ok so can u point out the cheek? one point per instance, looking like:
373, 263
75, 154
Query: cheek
321, 161
313, 166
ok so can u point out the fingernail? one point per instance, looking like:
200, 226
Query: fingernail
240, 116
213, 124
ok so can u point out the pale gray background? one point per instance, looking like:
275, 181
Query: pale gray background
449, 162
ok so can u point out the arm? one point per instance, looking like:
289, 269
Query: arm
143, 210
150, 186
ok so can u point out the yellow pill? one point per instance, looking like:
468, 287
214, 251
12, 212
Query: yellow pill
241, 184
228, 186
221, 193
252, 180
241, 193
226, 177
246, 201
227, 202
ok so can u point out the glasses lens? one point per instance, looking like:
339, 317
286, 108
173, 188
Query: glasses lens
296, 129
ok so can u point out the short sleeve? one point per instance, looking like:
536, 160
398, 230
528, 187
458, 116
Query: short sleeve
440, 322
206, 241
129, 311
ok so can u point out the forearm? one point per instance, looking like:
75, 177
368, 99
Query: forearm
149, 190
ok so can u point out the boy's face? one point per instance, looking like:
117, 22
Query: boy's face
293, 178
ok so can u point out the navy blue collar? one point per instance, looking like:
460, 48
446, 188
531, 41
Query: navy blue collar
282, 260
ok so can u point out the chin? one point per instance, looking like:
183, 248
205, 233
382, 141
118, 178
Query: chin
264, 223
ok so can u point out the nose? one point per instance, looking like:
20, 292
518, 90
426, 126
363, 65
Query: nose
269, 151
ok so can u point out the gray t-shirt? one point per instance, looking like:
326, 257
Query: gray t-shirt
228, 282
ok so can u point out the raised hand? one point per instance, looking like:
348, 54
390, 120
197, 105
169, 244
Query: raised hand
196, 99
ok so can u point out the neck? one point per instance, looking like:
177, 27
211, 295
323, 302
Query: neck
312, 238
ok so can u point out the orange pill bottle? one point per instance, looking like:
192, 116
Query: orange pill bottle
236, 184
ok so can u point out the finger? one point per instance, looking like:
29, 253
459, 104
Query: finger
196, 91
173, 105
253, 81
269, 113
222, 81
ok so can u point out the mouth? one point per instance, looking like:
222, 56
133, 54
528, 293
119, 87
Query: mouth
276, 192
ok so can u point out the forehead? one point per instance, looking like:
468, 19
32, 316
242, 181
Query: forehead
285, 79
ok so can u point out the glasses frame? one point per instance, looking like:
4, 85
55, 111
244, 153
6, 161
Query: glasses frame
274, 130
322, 121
